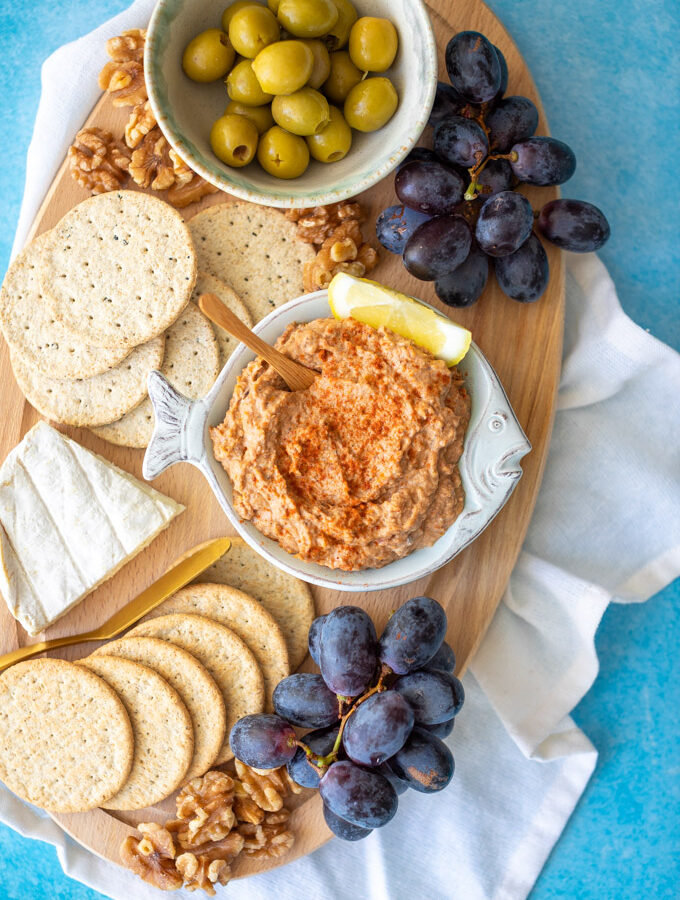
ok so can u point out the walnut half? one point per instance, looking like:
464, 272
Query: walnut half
152, 857
266, 788
98, 161
150, 163
204, 810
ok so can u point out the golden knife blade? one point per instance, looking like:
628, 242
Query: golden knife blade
184, 570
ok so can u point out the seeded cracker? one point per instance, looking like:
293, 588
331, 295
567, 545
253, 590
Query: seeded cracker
191, 364
118, 269
65, 737
254, 249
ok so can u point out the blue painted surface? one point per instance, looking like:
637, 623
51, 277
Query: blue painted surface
609, 73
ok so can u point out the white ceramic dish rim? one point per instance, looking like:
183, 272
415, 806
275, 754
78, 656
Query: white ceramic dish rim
290, 195
489, 466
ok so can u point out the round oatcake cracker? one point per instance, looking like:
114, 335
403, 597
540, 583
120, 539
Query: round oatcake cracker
66, 741
191, 364
208, 284
287, 599
118, 269
34, 334
225, 656
91, 401
196, 689
254, 249
245, 616
164, 737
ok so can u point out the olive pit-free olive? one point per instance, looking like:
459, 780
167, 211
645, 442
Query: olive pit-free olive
284, 67
321, 67
208, 56
304, 112
260, 116
283, 154
307, 18
243, 86
252, 29
342, 78
373, 44
332, 143
234, 140
371, 104
338, 36
232, 9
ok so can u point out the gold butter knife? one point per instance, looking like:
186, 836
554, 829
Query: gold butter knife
187, 567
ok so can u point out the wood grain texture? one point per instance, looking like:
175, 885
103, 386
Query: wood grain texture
522, 342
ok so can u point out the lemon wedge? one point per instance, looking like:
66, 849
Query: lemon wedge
376, 305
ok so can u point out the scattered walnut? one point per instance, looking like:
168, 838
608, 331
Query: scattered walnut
98, 161
315, 225
150, 163
140, 123
183, 174
269, 840
181, 195
343, 250
247, 810
152, 857
128, 45
204, 810
124, 81
200, 873
267, 789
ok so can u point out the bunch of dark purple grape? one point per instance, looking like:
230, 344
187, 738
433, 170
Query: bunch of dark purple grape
379, 710
459, 204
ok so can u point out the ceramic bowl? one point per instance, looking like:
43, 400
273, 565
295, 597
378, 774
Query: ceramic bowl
489, 466
185, 110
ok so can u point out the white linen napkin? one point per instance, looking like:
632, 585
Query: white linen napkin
606, 527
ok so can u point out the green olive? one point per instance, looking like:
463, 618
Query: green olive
321, 67
338, 36
234, 140
260, 116
307, 18
371, 104
282, 154
284, 67
273, 5
243, 86
304, 112
208, 56
252, 29
372, 44
232, 9
343, 76
334, 141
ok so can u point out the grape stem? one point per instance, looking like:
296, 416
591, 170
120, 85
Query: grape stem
475, 188
321, 763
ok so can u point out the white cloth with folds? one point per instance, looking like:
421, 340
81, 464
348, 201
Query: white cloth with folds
606, 528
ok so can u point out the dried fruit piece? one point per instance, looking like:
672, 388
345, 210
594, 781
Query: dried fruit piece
98, 161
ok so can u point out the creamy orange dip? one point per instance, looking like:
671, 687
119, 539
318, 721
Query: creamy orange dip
361, 468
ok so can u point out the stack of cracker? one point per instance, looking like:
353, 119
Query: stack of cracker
128, 725
91, 307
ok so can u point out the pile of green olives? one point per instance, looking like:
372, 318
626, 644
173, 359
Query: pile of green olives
300, 75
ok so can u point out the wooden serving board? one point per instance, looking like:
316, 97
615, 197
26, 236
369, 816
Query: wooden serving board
522, 342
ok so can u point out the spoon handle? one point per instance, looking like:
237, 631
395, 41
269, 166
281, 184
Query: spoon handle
296, 376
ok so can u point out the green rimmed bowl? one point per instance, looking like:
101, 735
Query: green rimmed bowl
186, 110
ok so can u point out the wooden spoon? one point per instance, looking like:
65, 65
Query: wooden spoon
296, 376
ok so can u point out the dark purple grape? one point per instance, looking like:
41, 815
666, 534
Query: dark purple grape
467, 281
437, 247
504, 223
348, 650
543, 161
447, 102
377, 728
395, 225
504, 75
460, 141
429, 187
574, 225
523, 275
413, 635
496, 176
441, 730
513, 119
433, 695
314, 637
342, 829
418, 153
360, 796
399, 786
320, 742
304, 700
425, 763
444, 659
264, 741
474, 66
